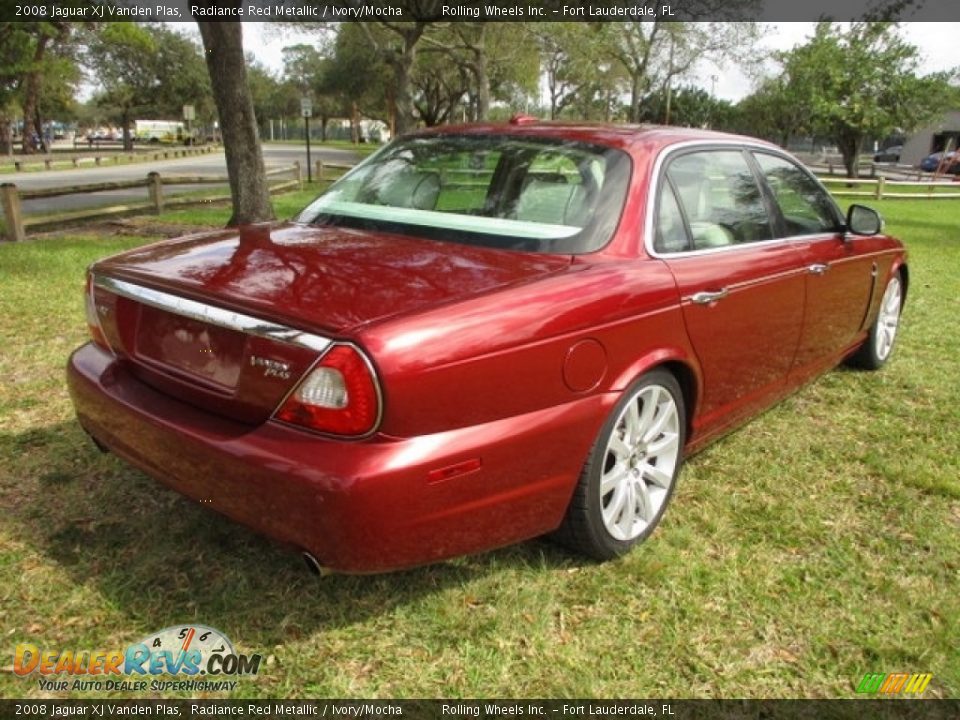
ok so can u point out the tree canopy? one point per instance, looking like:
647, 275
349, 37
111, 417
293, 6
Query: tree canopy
849, 82
146, 71
857, 82
38, 75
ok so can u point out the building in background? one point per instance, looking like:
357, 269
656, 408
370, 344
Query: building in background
932, 138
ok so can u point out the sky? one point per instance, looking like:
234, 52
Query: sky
937, 42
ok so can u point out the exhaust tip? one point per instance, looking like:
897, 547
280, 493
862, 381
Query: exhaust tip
314, 566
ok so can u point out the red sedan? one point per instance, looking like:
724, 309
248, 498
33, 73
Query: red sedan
483, 334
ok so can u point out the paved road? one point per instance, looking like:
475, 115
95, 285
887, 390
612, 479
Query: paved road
214, 164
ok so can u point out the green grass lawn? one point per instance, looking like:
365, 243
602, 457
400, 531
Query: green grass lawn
818, 543
362, 149
285, 206
62, 160
209, 207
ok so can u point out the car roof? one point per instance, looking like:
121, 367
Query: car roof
615, 135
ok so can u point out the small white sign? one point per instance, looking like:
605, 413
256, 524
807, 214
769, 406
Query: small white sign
189, 113
306, 107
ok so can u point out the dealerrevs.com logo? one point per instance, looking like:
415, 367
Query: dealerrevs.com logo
184, 652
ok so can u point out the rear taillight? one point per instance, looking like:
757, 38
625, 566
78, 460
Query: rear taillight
93, 317
338, 396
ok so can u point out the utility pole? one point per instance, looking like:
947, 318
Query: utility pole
713, 98
666, 120
306, 109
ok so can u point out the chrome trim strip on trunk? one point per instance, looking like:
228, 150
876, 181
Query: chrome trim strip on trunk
213, 315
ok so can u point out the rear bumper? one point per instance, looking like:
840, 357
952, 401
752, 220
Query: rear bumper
367, 506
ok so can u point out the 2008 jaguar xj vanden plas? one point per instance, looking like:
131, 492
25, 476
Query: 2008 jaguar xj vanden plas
483, 334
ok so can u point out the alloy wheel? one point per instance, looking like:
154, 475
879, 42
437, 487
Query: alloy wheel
889, 319
639, 462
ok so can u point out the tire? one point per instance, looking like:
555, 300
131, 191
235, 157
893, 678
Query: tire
631, 471
878, 347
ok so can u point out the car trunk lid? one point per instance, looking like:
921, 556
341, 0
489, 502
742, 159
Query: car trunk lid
232, 321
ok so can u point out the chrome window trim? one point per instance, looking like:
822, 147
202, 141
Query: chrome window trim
810, 174
719, 143
211, 314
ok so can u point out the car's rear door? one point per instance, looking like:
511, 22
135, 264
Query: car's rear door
742, 290
840, 270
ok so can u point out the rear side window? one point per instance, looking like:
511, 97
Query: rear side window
719, 197
671, 233
805, 206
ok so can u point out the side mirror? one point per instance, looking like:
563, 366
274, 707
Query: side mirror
862, 220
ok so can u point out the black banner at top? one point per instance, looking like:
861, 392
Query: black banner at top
478, 10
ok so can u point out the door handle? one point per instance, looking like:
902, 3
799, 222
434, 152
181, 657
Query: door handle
817, 268
706, 297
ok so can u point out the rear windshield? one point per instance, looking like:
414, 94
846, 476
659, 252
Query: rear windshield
534, 195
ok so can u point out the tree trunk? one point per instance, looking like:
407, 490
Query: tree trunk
223, 43
404, 97
44, 146
634, 98
482, 73
31, 94
849, 145
483, 89
6, 137
125, 130
553, 96
403, 63
392, 112
29, 112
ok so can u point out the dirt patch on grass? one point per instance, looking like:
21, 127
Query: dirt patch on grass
151, 227
146, 227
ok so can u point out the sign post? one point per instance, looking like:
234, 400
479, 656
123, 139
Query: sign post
189, 114
306, 109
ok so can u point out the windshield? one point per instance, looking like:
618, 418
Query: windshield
530, 194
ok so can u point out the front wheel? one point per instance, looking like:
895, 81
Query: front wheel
878, 346
631, 471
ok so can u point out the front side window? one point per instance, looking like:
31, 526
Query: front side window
805, 206
530, 194
719, 197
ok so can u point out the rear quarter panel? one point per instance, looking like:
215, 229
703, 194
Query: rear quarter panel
504, 354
